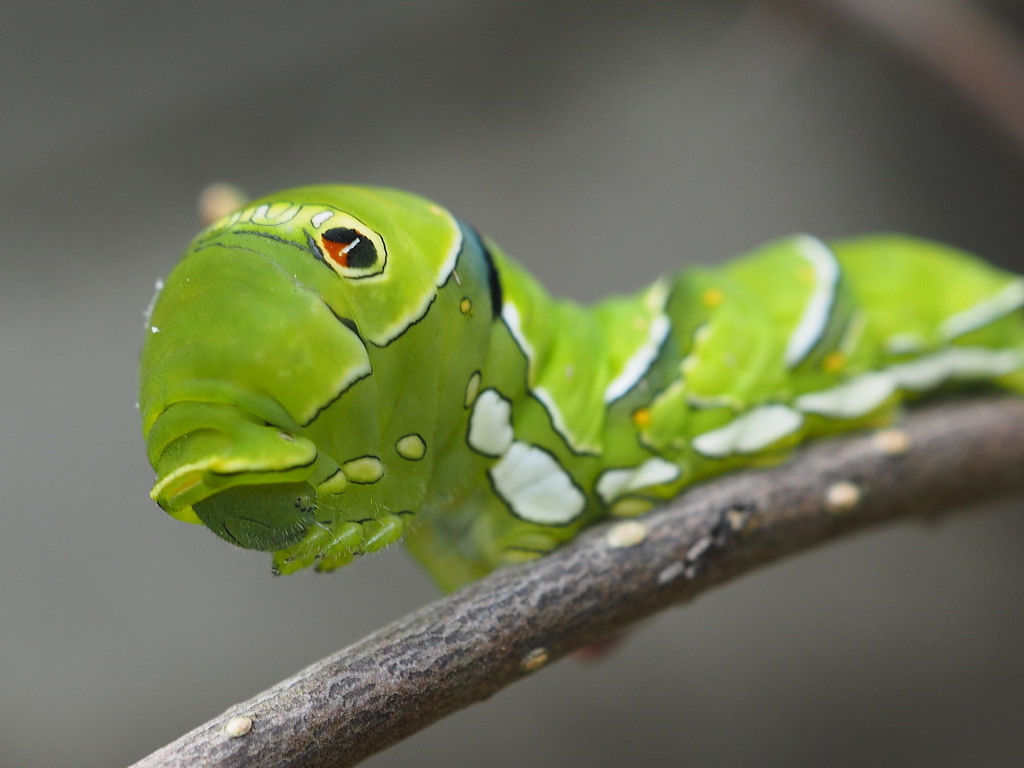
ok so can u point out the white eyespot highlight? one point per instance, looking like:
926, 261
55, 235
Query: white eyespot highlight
536, 487
1009, 299
819, 306
615, 482
955, 363
490, 424
238, 726
753, 431
842, 498
857, 397
625, 534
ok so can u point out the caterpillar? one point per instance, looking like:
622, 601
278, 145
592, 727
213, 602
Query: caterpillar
332, 369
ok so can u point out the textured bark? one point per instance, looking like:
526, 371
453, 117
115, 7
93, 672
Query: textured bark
468, 645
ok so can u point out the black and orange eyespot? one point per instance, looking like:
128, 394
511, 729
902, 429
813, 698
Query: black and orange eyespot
348, 248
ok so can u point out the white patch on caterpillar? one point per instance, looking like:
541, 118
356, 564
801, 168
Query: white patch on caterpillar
641, 360
815, 318
856, 397
319, 219
547, 400
510, 314
535, 487
955, 363
904, 344
751, 432
490, 424
274, 214
1009, 299
615, 482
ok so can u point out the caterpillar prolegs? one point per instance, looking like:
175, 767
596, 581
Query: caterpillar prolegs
332, 369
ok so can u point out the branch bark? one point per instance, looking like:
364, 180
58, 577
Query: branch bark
469, 645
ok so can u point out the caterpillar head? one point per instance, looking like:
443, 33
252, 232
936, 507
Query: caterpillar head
277, 315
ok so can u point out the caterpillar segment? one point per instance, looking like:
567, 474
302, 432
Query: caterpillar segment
333, 369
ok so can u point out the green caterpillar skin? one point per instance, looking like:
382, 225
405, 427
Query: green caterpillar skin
332, 369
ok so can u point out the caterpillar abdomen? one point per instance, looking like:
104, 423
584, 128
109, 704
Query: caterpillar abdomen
332, 369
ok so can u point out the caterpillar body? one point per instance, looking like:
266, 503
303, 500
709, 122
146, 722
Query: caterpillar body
332, 369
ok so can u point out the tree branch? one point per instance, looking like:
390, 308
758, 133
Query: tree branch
469, 645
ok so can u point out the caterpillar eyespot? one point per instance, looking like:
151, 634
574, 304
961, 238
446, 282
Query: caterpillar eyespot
348, 248
339, 368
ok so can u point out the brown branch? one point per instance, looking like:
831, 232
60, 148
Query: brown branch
469, 645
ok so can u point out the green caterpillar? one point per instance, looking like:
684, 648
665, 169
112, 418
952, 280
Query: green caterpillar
332, 369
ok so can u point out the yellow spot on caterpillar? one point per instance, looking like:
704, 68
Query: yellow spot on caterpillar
534, 660
466, 306
411, 447
642, 418
894, 442
472, 388
834, 362
806, 275
364, 470
842, 498
627, 534
712, 297
238, 726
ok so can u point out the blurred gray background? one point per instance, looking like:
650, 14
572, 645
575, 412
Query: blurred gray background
602, 143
